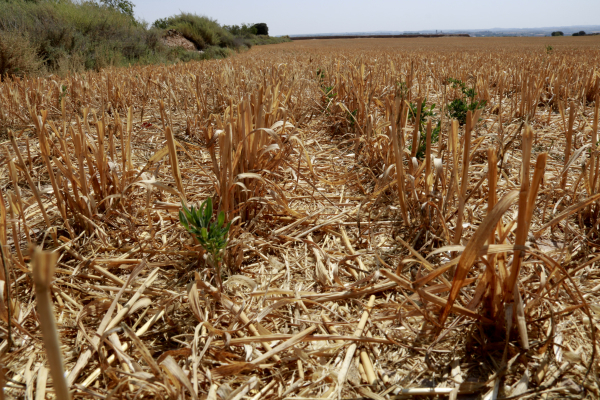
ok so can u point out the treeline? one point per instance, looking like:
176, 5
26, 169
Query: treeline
61, 36
561, 33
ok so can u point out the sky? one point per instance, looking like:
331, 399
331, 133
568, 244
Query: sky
286, 17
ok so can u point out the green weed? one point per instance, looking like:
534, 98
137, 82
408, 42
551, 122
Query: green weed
426, 113
328, 94
212, 234
459, 107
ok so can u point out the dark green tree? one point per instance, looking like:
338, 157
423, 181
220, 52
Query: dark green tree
244, 30
261, 29
558, 33
580, 33
123, 6
161, 23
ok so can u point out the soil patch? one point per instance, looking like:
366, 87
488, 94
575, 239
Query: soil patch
175, 39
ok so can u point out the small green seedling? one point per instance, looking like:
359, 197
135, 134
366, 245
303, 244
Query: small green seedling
63, 93
425, 114
351, 117
458, 108
328, 94
212, 235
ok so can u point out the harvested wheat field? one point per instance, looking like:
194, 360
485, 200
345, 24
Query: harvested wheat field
379, 248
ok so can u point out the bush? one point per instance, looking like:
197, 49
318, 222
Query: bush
202, 31
122, 6
243, 30
73, 35
179, 54
580, 33
216, 52
17, 56
261, 29
558, 33
260, 40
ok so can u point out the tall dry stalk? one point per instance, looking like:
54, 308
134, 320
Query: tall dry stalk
521, 233
43, 271
428, 160
173, 159
464, 183
594, 161
415, 135
396, 141
569, 136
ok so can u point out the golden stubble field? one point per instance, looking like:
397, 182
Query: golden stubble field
378, 249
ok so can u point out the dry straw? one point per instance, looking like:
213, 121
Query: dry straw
356, 265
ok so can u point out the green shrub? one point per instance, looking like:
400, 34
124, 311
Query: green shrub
178, 54
243, 30
70, 36
122, 6
188, 32
202, 31
261, 40
17, 56
216, 52
73, 35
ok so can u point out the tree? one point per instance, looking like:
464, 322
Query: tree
244, 30
558, 33
580, 33
122, 6
261, 29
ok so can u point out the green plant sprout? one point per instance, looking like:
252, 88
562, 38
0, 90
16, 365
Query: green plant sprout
435, 133
402, 89
63, 93
212, 235
328, 94
320, 75
458, 108
351, 117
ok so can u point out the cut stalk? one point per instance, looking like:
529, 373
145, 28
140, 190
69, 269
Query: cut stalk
352, 349
594, 156
415, 137
43, 271
174, 161
29, 180
428, 160
465, 180
399, 166
522, 226
563, 182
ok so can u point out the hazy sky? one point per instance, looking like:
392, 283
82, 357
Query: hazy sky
286, 17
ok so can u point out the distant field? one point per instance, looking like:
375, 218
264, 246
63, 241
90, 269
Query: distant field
450, 43
409, 217
374, 36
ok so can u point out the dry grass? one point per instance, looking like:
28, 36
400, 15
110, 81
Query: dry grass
353, 270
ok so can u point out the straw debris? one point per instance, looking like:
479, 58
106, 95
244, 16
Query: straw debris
353, 269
